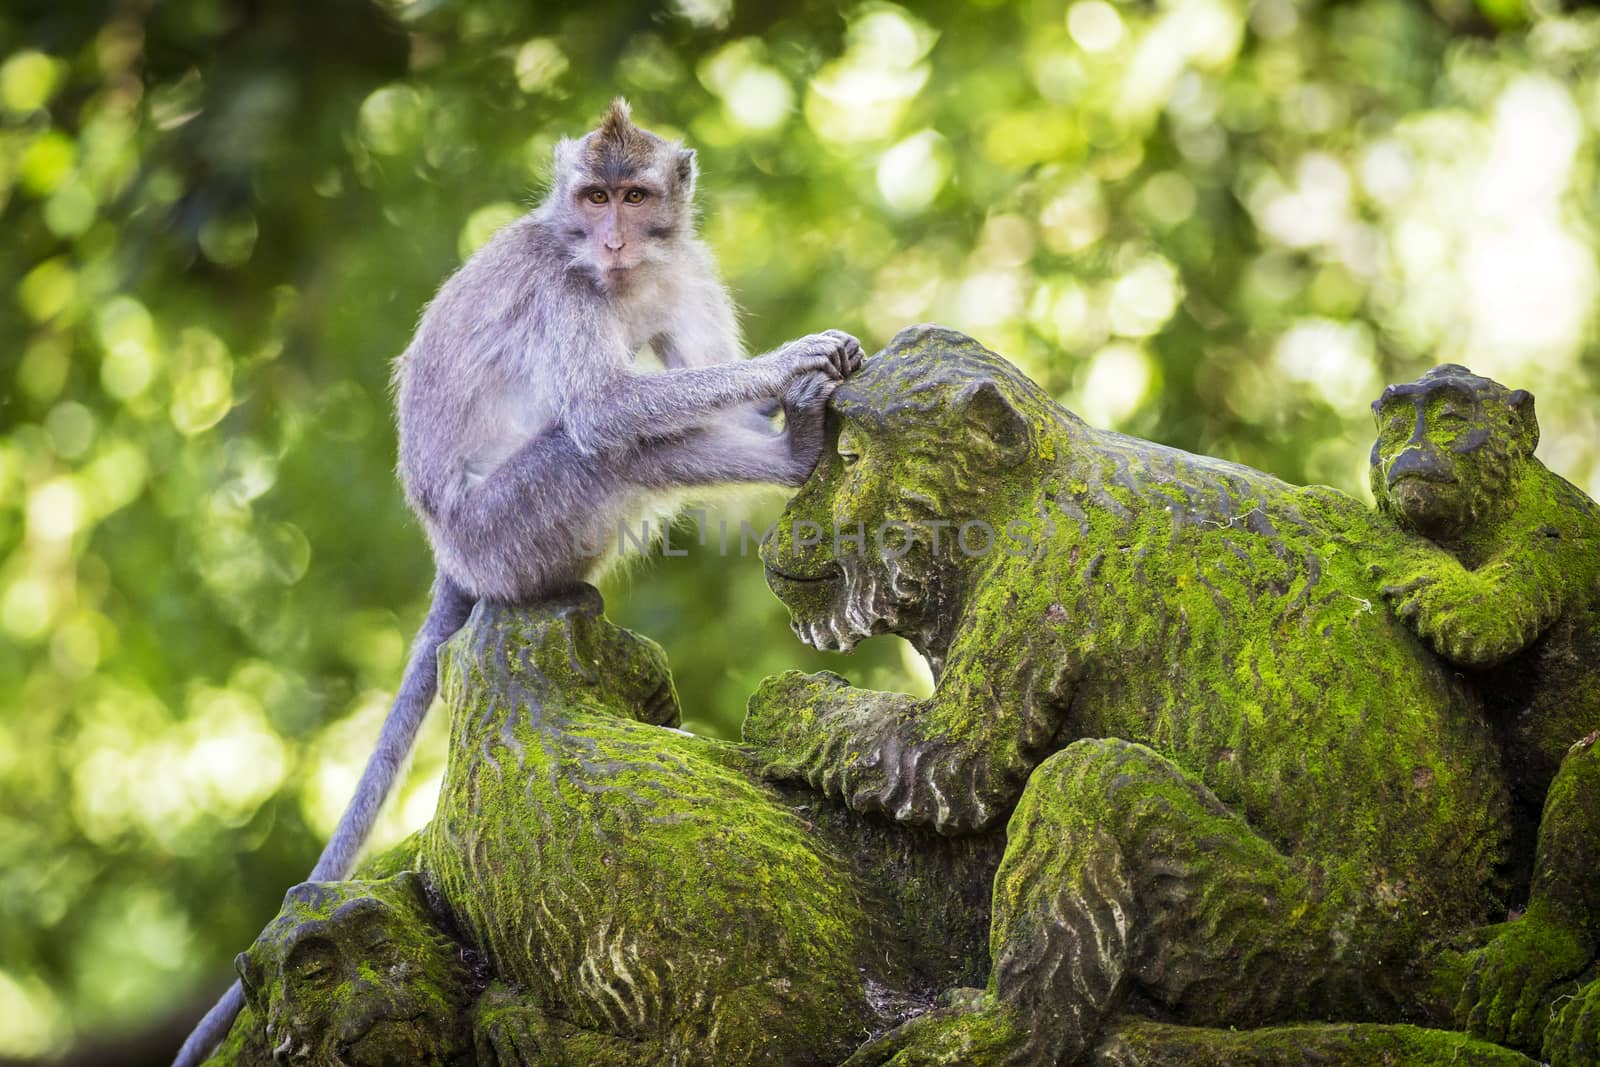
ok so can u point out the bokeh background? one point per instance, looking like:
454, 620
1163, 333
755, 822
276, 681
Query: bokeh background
1221, 224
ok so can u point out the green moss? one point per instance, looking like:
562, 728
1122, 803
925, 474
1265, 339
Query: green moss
629, 879
1229, 621
1158, 1045
359, 969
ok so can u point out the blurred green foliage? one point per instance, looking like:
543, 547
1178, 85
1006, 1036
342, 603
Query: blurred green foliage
1220, 224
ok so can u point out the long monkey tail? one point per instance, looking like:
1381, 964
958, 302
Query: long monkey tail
451, 606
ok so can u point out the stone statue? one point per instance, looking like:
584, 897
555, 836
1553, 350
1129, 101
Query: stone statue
1183, 775
1173, 674
1507, 586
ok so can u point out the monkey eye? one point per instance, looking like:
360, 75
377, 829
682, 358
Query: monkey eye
846, 450
313, 968
633, 196
598, 197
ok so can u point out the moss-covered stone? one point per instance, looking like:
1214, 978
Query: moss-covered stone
1141, 1043
1195, 775
1507, 585
631, 880
1326, 795
357, 973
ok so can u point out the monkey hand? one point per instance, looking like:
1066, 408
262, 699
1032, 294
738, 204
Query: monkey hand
804, 417
1507, 994
782, 713
809, 392
1465, 621
832, 353
508, 1032
847, 357
1572, 1038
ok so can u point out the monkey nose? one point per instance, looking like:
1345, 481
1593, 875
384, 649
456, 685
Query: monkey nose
615, 244
1416, 463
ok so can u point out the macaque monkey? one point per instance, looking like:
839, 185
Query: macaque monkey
528, 438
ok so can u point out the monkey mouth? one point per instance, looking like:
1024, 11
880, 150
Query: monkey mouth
1428, 477
829, 572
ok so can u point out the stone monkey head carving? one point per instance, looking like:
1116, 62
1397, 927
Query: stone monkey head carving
621, 196
929, 439
1449, 447
569, 652
359, 973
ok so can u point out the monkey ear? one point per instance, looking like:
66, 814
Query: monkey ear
687, 170
985, 408
249, 974
411, 882
1522, 406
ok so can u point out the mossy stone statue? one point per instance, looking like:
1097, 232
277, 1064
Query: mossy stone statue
1225, 766
1507, 586
1183, 775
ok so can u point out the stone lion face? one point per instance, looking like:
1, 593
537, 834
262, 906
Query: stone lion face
357, 974
925, 444
1447, 446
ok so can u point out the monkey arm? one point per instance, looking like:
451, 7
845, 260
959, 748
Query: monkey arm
1478, 618
510, 1030
732, 453
1566, 889
956, 762
632, 407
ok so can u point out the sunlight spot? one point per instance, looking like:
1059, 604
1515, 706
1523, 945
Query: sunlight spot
1075, 218
202, 390
391, 119
539, 64
1144, 298
707, 14
33, 1022
863, 95
911, 173
27, 608
28, 80
1118, 379
47, 289
56, 511
1334, 358
1095, 25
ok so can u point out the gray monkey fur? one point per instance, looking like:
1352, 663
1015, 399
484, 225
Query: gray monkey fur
528, 438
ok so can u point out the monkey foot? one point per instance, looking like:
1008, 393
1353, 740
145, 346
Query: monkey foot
976, 1032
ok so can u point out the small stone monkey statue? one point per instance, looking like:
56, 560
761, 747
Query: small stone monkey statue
1506, 585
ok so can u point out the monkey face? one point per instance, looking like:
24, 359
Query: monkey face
623, 222
357, 974
1447, 446
616, 667
623, 196
845, 558
908, 498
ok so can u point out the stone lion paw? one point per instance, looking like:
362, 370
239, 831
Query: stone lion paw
1505, 995
975, 1032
